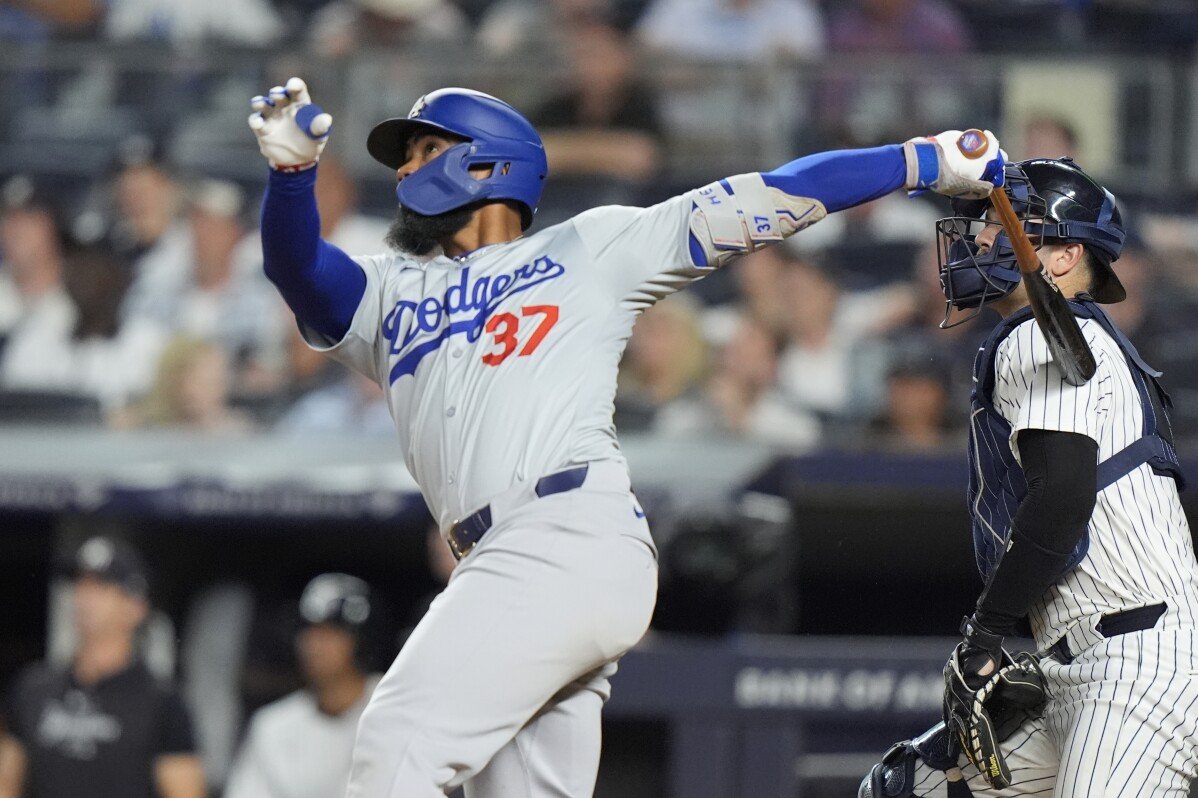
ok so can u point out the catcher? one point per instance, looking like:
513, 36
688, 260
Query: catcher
1077, 526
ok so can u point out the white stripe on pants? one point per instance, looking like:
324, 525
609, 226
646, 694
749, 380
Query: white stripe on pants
510, 665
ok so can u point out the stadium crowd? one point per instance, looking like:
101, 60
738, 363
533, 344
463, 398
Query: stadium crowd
134, 295
140, 300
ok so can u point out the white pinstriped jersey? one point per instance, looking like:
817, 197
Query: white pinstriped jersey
1140, 550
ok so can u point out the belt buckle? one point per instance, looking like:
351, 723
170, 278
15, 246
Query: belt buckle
451, 538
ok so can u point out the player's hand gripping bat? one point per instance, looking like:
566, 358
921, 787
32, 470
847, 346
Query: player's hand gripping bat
1065, 340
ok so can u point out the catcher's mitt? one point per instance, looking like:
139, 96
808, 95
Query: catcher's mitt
982, 712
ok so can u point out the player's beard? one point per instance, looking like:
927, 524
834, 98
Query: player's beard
417, 234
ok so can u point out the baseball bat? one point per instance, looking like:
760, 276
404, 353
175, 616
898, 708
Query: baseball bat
1065, 340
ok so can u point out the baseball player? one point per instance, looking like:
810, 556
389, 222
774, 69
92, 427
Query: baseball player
1077, 526
497, 352
102, 726
300, 746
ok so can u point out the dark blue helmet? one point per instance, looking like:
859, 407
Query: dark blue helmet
1057, 202
495, 134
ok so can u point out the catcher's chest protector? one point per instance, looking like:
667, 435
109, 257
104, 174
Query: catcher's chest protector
996, 482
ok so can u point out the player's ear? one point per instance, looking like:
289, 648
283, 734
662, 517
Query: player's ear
1065, 258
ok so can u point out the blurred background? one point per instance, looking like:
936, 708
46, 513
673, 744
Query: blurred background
794, 423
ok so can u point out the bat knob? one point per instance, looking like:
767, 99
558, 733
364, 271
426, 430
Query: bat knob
973, 143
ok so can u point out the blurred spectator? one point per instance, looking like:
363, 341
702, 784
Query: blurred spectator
664, 360
740, 398
307, 370
949, 350
191, 389
149, 231
1160, 319
227, 298
341, 223
897, 26
344, 26
829, 366
301, 745
1048, 136
878, 106
606, 123
1154, 307
100, 357
244, 22
875, 241
510, 26
102, 727
37, 20
734, 30
354, 404
747, 288
35, 310
915, 415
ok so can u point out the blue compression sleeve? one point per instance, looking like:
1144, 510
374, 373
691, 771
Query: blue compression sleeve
842, 178
320, 283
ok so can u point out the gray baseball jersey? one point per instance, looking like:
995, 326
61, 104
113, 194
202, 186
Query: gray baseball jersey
500, 366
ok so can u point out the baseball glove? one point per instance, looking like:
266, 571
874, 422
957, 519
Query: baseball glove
982, 712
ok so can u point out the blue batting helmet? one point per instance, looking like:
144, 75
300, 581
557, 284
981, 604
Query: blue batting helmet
495, 134
1057, 202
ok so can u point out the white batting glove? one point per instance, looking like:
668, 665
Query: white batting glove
955, 163
291, 129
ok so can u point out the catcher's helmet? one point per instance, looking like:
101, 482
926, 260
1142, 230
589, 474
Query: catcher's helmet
496, 135
1057, 202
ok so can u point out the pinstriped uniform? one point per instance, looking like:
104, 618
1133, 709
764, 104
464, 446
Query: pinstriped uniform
1123, 715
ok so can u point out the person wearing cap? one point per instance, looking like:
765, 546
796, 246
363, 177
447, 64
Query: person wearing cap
102, 727
301, 746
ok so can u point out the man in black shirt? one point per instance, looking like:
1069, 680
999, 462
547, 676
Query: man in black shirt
103, 727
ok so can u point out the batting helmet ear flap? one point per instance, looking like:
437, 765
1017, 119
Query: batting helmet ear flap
443, 184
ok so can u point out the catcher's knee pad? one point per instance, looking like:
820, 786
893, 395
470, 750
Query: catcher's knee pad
894, 776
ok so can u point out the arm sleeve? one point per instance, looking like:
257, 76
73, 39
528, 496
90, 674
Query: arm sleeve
651, 251
322, 285
174, 733
1061, 469
842, 178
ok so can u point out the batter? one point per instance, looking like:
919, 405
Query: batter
497, 353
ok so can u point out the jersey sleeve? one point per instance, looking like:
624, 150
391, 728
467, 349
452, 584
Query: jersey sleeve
640, 250
359, 347
1031, 393
174, 734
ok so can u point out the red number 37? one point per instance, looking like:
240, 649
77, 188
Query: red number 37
505, 326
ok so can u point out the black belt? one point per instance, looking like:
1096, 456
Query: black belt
1114, 624
465, 534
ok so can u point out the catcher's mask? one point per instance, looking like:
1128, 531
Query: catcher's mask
1057, 203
